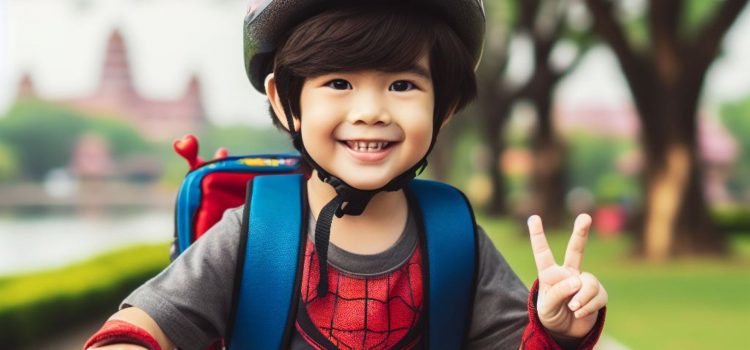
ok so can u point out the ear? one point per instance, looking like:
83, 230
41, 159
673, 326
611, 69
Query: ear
275, 100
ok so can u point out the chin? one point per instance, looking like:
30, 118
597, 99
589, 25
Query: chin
366, 184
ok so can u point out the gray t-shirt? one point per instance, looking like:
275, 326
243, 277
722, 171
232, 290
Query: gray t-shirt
191, 299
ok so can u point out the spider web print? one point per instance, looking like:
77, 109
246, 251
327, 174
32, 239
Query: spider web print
373, 312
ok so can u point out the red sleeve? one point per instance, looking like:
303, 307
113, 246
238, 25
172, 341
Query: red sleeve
116, 331
536, 337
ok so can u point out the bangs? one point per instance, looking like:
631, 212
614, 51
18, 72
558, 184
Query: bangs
374, 38
352, 39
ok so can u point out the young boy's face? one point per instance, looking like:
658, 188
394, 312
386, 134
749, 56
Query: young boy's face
367, 127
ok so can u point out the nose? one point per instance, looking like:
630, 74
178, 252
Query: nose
369, 108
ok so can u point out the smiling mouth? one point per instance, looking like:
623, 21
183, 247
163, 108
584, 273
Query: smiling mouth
368, 146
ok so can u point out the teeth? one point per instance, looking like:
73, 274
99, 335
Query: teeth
367, 146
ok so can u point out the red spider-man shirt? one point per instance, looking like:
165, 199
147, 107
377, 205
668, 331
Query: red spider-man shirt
361, 312
385, 311
381, 306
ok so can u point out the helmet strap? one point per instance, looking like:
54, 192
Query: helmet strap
348, 200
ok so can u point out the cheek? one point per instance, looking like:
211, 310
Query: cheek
418, 125
423, 138
317, 121
316, 134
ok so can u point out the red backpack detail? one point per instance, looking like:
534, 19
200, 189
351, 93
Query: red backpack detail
211, 187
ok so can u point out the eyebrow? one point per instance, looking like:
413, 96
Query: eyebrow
420, 71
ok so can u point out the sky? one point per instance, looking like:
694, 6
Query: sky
61, 43
598, 77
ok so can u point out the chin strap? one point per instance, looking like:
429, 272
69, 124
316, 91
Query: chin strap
322, 238
348, 201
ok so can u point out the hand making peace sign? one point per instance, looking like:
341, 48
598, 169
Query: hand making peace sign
569, 300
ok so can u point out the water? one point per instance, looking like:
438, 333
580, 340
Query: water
42, 241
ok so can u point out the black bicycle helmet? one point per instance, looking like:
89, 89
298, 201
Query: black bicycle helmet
268, 21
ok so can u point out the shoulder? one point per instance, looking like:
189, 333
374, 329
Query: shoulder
492, 264
418, 184
234, 215
436, 196
223, 235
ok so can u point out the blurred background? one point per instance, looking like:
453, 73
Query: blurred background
635, 111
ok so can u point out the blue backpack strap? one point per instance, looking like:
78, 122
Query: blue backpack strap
268, 279
450, 238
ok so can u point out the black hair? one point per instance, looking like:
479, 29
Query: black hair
352, 38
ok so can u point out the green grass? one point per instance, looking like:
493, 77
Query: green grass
685, 304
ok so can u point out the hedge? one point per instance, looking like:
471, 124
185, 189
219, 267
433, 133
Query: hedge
732, 218
37, 305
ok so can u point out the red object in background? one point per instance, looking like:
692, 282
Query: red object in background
609, 220
187, 147
220, 190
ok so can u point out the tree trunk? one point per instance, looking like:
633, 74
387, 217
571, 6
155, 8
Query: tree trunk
548, 182
493, 129
666, 82
676, 220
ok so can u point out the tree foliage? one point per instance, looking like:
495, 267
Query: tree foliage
41, 136
550, 29
593, 164
665, 70
8, 164
736, 118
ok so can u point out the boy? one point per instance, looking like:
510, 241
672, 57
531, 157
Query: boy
363, 89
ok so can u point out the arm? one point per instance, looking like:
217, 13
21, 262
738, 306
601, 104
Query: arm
536, 336
499, 313
188, 304
141, 319
565, 302
504, 312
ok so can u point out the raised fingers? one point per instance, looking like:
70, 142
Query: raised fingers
542, 254
590, 298
577, 243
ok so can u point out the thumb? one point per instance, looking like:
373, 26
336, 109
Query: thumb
558, 294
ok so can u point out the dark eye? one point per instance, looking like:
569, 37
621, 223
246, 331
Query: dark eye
339, 84
401, 85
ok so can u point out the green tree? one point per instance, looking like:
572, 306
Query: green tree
8, 164
42, 136
546, 26
593, 164
123, 138
736, 118
664, 53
